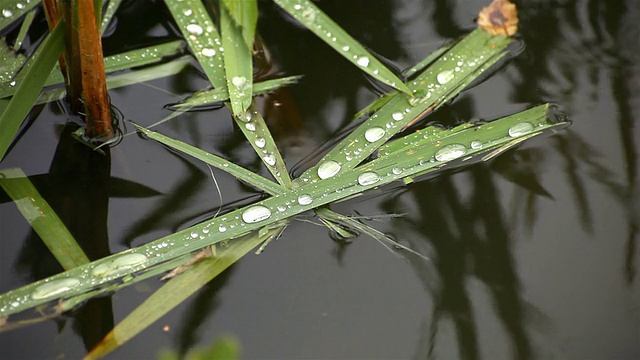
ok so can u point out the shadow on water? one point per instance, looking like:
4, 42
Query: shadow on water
588, 48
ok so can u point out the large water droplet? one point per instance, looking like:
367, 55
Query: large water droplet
239, 82
363, 61
208, 52
187, 12
250, 126
397, 116
195, 29
305, 199
260, 142
368, 178
520, 129
374, 134
256, 214
450, 152
445, 76
222, 228
7, 13
270, 159
55, 287
118, 265
328, 169
396, 171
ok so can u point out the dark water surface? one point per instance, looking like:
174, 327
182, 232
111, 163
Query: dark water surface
534, 255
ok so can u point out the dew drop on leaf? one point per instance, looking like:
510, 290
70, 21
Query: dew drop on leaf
520, 129
328, 169
368, 178
445, 76
256, 214
374, 134
195, 29
450, 152
305, 199
55, 287
363, 61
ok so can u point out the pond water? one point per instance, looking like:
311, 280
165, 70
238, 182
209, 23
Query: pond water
533, 255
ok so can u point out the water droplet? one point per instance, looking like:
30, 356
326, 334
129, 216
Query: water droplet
445, 76
328, 169
282, 208
397, 116
250, 126
260, 142
256, 214
345, 48
396, 171
187, 12
270, 159
363, 61
222, 228
195, 29
368, 178
297, 6
55, 287
374, 134
7, 13
239, 82
305, 199
208, 52
450, 152
520, 129
475, 145
118, 265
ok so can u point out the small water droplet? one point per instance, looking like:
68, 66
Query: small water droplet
55, 287
250, 126
445, 76
397, 116
7, 13
239, 82
346, 48
475, 145
187, 12
305, 199
396, 171
260, 142
205, 230
374, 134
363, 61
208, 52
368, 178
520, 129
21, 6
282, 208
328, 169
195, 29
256, 214
450, 152
194, 234
309, 14
222, 228
270, 159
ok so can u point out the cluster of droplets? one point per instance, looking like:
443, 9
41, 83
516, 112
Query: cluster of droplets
16, 10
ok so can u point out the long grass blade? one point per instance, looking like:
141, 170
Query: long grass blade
427, 155
175, 291
202, 37
309, 15
208, 98
239, 172
112, 7
441, 81
42, 218
28, 91
238, 61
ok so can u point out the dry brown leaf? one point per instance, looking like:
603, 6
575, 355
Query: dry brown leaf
500, 17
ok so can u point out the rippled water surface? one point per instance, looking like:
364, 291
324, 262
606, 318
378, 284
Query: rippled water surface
534, 255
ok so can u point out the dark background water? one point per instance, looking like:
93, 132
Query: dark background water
534, 255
